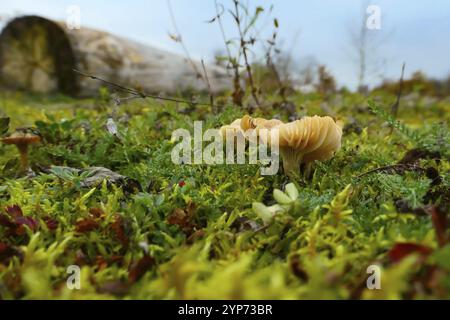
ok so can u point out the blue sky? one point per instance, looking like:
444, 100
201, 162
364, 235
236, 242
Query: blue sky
416, 32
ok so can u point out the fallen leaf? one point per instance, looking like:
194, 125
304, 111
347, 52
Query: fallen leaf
97, 212
14, 211
184, 218
101, 262
52, 224
117, 288
440, 224
196, 235
7, 252
401, 250
140, 267
111, 127
119, 229
86, 225
16, 222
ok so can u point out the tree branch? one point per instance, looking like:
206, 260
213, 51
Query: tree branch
137, 93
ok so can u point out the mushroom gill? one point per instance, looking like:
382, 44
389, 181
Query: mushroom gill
307, 140
301, 141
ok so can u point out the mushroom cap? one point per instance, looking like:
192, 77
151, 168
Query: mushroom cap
235, 126
258, 123
21, 137
246, 125
316, 138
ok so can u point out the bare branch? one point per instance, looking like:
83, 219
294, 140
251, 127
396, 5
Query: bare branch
180, 40
138, 93
394, 167
243, 45
211, 96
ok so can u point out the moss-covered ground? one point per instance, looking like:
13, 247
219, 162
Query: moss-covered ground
189, 231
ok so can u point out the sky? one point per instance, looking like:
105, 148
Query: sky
415, 32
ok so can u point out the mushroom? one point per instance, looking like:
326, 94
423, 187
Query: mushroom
244, 127
307, 140
233, 132
235, 127
248, 123
302, 141
22, 138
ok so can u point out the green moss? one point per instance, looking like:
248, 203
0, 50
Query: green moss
317, 247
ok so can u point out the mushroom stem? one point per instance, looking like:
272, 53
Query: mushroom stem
307, 170
23, 151
291, 160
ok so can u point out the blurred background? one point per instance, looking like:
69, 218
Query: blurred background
310, 33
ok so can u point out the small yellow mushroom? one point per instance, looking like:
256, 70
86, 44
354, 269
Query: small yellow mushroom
301, 141
307, 140
248, 123
234, 127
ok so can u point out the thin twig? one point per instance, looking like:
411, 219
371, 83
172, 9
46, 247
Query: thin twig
222, 30
395, 106
137, 93
243, 45
271, 65
180, 40
393, 167
211, 95
234, 64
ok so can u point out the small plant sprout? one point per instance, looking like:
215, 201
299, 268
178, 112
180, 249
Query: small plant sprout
22, 138
285, 202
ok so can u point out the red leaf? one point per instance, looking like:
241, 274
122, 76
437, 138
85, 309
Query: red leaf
80, 258
178, 217
184, 218
6, 252
14, 211
26, 221
116, 259
97, 212
401, 250
440, 224
196, 235
86, 225
139, 268
52, 224
104, 262
101, 262
118, 227
6, 221
16, 221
